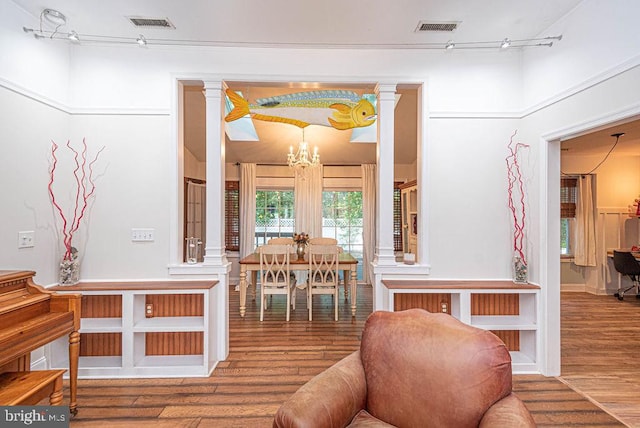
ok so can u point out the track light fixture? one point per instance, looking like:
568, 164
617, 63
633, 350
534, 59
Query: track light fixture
141, 41
59, 19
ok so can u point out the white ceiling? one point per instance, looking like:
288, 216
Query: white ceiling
295, 23
599, 142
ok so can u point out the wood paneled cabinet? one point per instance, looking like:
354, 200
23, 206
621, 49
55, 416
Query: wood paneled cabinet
409, 207
151, 329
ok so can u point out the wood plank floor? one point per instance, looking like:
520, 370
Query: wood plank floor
269, 361
601, 351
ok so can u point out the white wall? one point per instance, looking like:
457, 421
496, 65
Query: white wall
121, 97
598, 36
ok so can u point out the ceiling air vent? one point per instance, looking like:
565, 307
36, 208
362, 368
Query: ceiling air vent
151, 22
436, 26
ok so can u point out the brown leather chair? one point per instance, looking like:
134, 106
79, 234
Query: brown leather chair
413, 369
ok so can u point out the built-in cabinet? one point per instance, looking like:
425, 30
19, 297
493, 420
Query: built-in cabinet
507, 309
151, 329
409, 208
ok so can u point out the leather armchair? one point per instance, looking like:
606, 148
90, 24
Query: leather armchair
414, 369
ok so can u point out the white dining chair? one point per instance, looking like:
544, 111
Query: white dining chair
323, 274
323, 241
275, 276
280, 241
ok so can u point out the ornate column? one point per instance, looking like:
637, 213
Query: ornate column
214, 98
385, 256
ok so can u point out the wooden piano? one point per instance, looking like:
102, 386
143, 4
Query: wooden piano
31, 317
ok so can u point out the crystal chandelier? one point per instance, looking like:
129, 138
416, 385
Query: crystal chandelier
302, 158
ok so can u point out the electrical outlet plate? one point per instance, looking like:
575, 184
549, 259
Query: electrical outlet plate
142, 235
26, 239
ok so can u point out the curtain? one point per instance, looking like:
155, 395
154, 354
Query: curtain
308, 206
368, 216
585, 236
196, 215
247, 208
308, 201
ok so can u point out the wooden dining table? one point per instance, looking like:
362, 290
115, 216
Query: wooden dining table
251, 263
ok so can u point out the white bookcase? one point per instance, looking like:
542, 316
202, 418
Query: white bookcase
120, 339
525, 324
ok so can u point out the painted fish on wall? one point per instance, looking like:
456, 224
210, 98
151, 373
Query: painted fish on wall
335, 108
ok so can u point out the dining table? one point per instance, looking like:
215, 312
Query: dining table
251, 263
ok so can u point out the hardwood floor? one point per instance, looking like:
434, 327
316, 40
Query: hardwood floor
269, 361
601, 351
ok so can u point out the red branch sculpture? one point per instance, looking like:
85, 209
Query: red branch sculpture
517, 207
84, 189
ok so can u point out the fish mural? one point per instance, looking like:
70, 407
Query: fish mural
338, 109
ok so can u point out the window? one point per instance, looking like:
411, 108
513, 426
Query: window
275, 215
232, 216
342, 220
568, 199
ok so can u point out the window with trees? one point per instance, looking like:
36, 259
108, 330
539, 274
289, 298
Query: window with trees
275, 216
342, 220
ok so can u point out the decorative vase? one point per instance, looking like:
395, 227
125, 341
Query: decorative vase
300, 250
69, 273
193, 247
520, 270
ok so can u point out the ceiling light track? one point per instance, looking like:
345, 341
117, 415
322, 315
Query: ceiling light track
142, 41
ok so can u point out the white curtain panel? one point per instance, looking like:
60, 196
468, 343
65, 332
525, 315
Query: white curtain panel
196, 214
308, 201
585, 236
247, 208
369, 216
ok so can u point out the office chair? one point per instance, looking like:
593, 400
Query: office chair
627, 265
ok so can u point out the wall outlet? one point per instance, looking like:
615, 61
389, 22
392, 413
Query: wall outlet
142, 235
26, 239
444, 308
148, 310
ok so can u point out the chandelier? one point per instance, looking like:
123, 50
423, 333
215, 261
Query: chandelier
302, 158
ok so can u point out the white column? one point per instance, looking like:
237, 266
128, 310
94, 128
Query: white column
214, 98
384, 198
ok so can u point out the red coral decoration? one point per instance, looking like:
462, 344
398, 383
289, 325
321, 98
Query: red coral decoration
85, 188
517, 207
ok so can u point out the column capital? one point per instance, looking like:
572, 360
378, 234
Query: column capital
382, 88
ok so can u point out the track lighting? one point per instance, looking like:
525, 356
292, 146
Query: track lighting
59, 19
141, 41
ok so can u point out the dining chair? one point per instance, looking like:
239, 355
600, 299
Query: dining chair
275, 276
323, 274
280, 241
323, 241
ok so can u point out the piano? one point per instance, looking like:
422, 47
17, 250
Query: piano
31, 317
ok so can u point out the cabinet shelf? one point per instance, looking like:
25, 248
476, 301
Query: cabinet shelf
101, 325
502, 322
166, 324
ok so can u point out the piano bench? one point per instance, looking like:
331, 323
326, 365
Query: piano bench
29, 388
